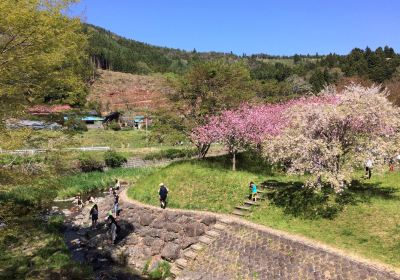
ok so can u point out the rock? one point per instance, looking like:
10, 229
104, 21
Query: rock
186, 242
195, 229
146, 220
133, 240
154, 233
174, 227
66, 212
169, 236
208, 220
171, 252
119, 256
148, 241
158, 223
182, 219
157, 246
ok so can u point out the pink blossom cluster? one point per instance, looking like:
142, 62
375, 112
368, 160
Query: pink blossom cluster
251, 125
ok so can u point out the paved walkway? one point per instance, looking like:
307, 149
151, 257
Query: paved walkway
244, 250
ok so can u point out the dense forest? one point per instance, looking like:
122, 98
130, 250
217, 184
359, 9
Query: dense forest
273, 75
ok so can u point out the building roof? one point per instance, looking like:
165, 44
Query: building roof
48, 109
92, 118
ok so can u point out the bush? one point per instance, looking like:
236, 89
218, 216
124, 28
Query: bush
114, 126
88, 163
75, 124
114, 159
171, 154
162, 271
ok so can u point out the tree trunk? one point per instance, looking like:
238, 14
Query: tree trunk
234, 161
202, 150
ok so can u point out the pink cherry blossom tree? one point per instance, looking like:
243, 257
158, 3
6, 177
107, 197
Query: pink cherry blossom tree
330, 140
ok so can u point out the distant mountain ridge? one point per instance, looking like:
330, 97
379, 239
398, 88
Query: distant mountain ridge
110, 51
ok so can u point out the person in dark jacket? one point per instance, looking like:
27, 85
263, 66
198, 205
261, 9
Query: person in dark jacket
113, 226
163, 193
94, 213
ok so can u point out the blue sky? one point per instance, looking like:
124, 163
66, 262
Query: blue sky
279, 27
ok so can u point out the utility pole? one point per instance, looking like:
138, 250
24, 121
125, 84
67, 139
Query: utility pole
147, 114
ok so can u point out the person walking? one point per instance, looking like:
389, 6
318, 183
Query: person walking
254, 192
94, 213
368, 168
163, 193
113, 227
117, 185
116, 204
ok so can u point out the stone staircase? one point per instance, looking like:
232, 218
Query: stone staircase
247, 206
191, 253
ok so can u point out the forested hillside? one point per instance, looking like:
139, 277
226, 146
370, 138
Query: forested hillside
274, 77
113, 52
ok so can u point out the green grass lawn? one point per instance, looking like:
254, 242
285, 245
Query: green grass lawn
115, 139
87, 182
368, 225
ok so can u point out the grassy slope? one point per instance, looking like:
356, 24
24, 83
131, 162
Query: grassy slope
87, 182
369, 227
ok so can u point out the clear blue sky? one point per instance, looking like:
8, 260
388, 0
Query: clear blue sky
282, 27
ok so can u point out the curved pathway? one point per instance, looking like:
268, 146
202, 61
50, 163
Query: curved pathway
245, 250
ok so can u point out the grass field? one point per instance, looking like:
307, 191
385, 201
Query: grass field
368, 224
87, 182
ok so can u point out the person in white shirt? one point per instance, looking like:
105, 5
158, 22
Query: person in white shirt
368, 168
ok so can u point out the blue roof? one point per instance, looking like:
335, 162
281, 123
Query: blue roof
92, 118
139, 118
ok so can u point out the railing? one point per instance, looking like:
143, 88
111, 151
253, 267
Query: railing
35, 151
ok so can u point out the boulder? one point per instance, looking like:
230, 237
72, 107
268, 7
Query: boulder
154, 233
158, 223
195, 229
171, 252
182, 219
208, 220
169, 236
148, 241
146, 219
157, 246
187, 241
174, 227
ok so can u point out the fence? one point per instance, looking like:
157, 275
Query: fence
36, 151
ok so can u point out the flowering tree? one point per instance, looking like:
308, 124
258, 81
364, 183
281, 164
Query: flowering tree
248, 126
328, 140
240, 128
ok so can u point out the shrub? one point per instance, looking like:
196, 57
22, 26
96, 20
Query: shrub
88, 163
114, 126
114, 159
162, 271
171, 154
75, 124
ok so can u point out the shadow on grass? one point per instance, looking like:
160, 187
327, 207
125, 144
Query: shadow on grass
246, 161
310, 204
365, 191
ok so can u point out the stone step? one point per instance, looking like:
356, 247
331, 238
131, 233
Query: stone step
190, 255
213, 233
252, 203
197, 247
243, 207
237, 212
219, 226
181, 263
225, 221
206, 240
175, 270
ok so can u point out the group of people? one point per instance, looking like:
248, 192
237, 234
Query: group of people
111, 221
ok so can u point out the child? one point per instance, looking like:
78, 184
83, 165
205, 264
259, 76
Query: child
254, 192
94, 213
